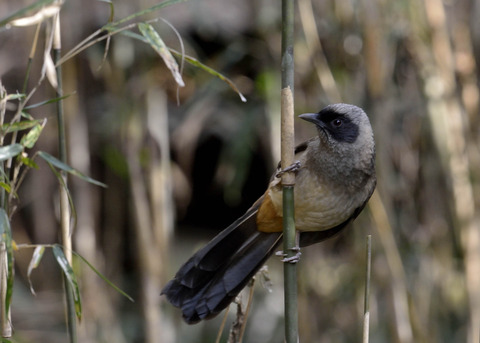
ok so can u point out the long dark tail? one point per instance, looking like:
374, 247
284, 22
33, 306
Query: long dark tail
211, 279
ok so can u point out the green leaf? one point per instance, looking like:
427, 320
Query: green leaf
211, 71
159, 46
6, 238
6, 186
32, 136
65, 167
16, 96
9, 151
113, 26
34, 262
19, 126
26, 115
28, 162
192, 61
110, 283
70, 275
46, 102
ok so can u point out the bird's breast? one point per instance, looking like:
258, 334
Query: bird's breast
319, 205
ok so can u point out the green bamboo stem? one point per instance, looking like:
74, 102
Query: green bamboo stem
64, 203
290, 269
288, 179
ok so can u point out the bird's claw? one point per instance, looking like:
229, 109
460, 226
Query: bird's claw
294, 167
292, 259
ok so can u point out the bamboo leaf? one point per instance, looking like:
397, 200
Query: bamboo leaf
44, 13
113, 26
104, 278
211, 71
156, 42
194, 62
26, 115
70, 276
49, 101
23, 12
32, 136
6, 237
10, 151
50, 70
16, 96
19, 126
34, 262
28, 162
65, 167
5, 186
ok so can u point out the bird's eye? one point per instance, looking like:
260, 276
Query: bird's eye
337, 122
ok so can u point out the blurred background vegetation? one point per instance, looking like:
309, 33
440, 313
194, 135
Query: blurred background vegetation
183, 163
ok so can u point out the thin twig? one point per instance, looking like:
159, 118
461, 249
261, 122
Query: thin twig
222, 326
88, 42
366, 312
182, 59
247, 311
30, 57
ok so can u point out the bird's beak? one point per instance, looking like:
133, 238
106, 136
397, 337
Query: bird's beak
311, 117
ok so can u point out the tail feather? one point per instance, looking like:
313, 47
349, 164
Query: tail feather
213, 277
234, 276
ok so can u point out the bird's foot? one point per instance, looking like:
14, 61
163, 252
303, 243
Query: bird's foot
292, 259
294, 167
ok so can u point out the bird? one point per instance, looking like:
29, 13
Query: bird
335, 177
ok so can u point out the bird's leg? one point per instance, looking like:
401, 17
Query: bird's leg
294, 167
295, 258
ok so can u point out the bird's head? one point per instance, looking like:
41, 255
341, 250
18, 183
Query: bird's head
345, 131
342, 125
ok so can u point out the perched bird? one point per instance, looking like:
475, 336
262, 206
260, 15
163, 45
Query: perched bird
334, 180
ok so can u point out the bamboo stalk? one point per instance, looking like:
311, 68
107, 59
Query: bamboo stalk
366, 312
64, 203
288, 179
5, 315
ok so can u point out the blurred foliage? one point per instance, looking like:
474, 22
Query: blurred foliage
182, 163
